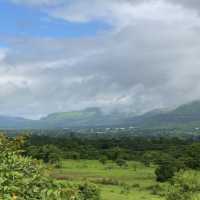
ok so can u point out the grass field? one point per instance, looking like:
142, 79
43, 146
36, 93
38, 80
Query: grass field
134, 182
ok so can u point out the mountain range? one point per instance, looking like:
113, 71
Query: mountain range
187, 115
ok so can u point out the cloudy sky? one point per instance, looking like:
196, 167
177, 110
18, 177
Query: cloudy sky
132, 55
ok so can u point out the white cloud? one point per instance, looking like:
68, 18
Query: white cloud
150, 59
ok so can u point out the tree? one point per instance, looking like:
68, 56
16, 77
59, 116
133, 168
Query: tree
192, 156
167, 169
165, 172
48, 153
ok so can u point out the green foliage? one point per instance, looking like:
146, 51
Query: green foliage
88, 192
163, 158
155, 189
48, 153
165, 172
125, 188
185, 186
167, 167
151, 156
72, 155
192, 156
121, 162
107, 181
103, 159
22, 178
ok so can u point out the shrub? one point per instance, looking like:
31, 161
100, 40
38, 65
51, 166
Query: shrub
48, 153
136, 185
185, 186
192, 156
121, 162
168, 168
165, 172
72, 155
88, 192
110, 166
103, 159
155, 189
107, 181
22, 178
125, 188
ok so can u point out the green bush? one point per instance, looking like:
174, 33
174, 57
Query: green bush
88, 192
103, 159
47, 153
165, 172
106, 181
185, 186
121, 162
22, 178
155, 189
125, 188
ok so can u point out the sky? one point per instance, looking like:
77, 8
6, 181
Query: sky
126, 55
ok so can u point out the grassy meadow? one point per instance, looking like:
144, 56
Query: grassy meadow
134, 182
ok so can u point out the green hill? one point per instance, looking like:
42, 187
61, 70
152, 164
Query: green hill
187, 115
90, 117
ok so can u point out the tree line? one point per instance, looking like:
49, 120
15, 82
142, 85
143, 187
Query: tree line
169, 155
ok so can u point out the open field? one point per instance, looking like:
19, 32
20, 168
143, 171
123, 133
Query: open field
134, 182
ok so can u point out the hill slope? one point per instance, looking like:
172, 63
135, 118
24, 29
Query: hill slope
7, 122
187, 115
90, 117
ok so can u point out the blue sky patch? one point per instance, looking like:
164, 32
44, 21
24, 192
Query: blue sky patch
18, 20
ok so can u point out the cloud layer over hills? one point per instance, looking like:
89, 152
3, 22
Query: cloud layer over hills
148, 58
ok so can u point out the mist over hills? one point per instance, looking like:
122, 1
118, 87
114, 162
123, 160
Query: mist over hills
187, 115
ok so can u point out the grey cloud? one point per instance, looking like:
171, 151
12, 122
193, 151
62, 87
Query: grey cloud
195, 4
